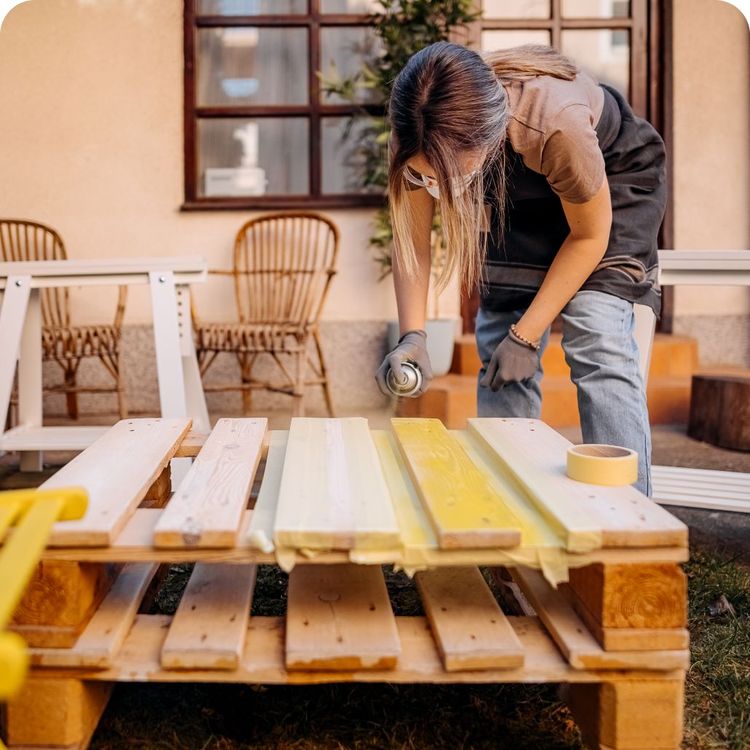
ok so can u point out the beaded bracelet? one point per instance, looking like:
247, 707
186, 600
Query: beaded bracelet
523, 339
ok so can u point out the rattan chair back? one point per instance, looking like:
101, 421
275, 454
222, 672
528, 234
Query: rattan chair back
283, 264
27, 240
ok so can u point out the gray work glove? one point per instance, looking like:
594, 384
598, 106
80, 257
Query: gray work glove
511, 362
411, 347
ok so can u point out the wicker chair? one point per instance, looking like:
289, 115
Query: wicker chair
66, 344
283, 266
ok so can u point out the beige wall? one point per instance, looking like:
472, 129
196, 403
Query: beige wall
711, 142
91, 143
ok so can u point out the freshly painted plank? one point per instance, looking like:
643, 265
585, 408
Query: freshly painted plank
98, 645
465, 509
117, 471
333, 494
207, 507
469, 627
339, 617
576, 643
261, 527
589, 516
208, 630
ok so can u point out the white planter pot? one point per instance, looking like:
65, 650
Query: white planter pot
441, 336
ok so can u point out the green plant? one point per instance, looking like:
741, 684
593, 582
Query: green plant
402, 27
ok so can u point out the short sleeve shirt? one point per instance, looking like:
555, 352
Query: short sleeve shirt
552, 128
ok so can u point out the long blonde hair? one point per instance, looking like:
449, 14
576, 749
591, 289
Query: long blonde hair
449, 100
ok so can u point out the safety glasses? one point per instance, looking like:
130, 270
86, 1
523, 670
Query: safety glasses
430, 183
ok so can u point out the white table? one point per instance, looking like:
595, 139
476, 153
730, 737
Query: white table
180, 388
696, 488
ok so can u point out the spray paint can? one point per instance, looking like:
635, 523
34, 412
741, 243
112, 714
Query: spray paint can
409, 383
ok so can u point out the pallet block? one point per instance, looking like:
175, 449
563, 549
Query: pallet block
55, 711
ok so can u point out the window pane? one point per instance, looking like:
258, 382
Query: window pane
344, 146
595, 8
604, 53
343, 49
350, 6
251, 65
515, 9
498, 39
265, 156
250, 7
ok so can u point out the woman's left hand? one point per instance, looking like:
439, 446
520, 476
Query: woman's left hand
511, 362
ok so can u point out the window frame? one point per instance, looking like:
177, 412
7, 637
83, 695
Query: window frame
314, 111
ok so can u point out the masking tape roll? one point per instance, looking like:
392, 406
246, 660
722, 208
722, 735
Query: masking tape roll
608, 465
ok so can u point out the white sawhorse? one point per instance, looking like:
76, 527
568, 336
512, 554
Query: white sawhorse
180, 388
672, 485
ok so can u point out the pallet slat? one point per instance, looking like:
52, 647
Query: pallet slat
333, 494
117, 471
339, 617
98, 645
207, 507
261, 527
589, 516
573, 639
466, 511
469, 627
208, 630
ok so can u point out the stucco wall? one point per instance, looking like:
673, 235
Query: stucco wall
711, 142
91, 143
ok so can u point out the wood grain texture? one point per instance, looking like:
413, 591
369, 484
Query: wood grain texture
333, 494
461, 503
207, 507
117, 471
574, 640
720, 410
339, 617
54, 712
263, 661
99, 643
60, 600
208, 630
469, 627
632, 596
589, 516
636, 715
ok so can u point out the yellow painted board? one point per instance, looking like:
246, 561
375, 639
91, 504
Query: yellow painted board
464, 508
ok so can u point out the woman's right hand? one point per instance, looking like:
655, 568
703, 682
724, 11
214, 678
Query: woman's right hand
411, 347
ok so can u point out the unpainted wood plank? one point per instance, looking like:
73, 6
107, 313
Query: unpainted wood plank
574, 640
117, 471
632, 596
333, 494
99, 643
469, 627
460, 501
339, 617
206, 509
589, 516
208, 630
263, 661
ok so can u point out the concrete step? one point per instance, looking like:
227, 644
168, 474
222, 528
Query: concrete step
452, 399
673, 356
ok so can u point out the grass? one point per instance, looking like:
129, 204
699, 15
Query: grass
430, 717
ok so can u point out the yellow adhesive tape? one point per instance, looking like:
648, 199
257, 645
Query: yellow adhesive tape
608, 465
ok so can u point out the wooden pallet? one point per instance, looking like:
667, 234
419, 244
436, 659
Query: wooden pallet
324, 500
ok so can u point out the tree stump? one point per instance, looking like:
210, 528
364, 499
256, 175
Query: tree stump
720, 411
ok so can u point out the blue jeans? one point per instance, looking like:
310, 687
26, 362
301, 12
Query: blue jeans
603, 358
